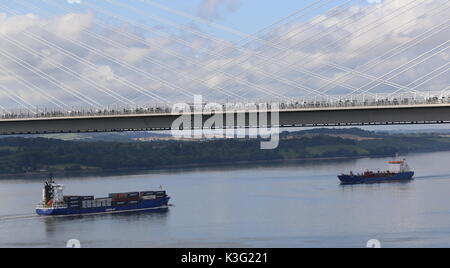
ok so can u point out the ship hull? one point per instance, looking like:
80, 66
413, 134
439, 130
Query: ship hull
348, 179
145, 205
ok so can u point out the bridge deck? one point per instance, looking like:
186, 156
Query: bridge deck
304, 117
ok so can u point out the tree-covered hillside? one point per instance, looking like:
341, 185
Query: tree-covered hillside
20, 155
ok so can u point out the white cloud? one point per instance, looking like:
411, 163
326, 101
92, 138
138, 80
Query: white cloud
103, 74
70, 25
13, 25
212, 8
306, 54
131, 55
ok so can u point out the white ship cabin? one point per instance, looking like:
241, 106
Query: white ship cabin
52, 195
398, 166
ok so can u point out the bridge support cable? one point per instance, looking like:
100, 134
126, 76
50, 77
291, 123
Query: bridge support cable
375, 81
147, 58
205, 36
273, 45
19, 100
231, 77
397, 49
391, 84
379, 60
324, 34
70, 72
93, 66
371, 64
312, 7
410, 64
216, 25
213, 39
335, 11
171, 53
440, 71
124, 65
336, 66
338, 9
347, 69
58, 103
180, 41
363, 30
144, 27
75, 93
6, 111
444, 91
259, 88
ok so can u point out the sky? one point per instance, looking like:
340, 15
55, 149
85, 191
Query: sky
247, 16
96, 53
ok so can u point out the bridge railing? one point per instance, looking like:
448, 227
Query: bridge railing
357, 101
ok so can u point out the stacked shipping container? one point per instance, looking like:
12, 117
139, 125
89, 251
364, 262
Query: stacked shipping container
76, 201
115, 199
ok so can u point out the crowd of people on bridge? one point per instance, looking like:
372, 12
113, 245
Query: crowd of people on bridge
158, 109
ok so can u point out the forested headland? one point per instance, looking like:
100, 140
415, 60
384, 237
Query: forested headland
20, 155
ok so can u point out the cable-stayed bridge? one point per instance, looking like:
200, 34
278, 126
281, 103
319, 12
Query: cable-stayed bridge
305, 117
111, 65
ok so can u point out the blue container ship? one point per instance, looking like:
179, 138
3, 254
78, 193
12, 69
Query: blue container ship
54, 203
398, 171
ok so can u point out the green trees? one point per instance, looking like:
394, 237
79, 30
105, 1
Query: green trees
20, 155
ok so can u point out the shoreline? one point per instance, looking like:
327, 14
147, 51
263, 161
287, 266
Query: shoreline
182, 167
94, 172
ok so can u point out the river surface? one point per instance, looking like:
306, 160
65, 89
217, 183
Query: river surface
295, 204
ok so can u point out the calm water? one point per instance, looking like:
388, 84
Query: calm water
272, 205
